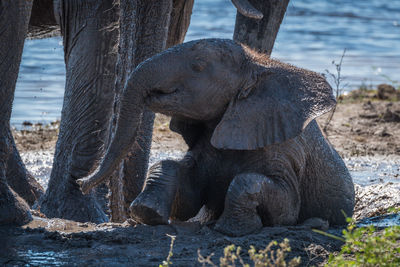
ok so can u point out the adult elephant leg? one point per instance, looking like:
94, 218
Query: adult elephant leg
13, 209
89, 39
179, 22
254, 200
14, 18
260, 34
141, 36
19, 179
168, 21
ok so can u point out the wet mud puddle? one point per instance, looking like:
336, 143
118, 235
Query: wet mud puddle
368, 172
364, 170
374, 170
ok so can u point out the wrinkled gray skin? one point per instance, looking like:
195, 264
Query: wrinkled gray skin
14, 18
256, 155
88, 101
259, 31
157, 25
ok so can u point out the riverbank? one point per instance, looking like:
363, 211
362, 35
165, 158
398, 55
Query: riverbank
365, 131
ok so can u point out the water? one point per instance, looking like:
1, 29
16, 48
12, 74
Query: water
42, 258
382, 221
369, 170
364, 170
312, 35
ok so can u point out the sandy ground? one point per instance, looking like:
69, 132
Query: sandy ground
366, 133
366, 128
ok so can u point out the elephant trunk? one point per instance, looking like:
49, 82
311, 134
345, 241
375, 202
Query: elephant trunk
129, 117
246, 9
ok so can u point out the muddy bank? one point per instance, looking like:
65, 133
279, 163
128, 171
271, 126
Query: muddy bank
70, 243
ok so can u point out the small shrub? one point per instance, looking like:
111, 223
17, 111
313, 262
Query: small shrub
393, 210
274, 254
168, 261
337, 79
366, 246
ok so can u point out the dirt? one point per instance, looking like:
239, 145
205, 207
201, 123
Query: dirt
59, 241
359, 128
36, 137
365, 128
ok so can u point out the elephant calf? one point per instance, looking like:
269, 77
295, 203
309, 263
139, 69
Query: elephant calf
256, 154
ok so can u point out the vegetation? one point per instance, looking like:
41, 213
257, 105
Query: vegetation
274, 254
168, 261
389, 91
367, 246
363, 246
337, 79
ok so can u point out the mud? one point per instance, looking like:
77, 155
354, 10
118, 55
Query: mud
60, 242
365, 128
368, 142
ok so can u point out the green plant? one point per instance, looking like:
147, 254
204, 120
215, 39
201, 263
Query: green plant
393, 210
274, 254
337, 79
168, 261
367, 246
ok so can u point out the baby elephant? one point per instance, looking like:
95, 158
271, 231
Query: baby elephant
256, 154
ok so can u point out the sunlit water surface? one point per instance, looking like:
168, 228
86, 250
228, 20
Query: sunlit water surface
364, 170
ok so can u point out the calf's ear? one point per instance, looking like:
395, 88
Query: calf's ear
277, 108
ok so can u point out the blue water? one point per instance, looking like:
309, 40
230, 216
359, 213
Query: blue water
312, 35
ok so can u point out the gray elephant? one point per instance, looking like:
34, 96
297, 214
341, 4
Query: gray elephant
256, 155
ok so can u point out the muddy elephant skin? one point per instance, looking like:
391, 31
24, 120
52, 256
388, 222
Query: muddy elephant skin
16, 184
256, 155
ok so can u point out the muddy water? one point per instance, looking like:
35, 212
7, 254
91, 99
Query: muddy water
374, 170
376, 173
364, 170
39, 163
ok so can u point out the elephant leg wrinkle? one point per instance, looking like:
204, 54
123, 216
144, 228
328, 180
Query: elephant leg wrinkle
17, 187
88, 102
